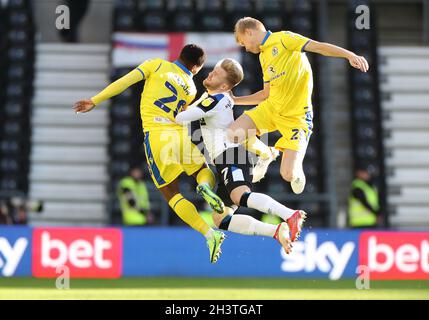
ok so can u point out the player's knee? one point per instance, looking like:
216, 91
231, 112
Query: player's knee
235, 198
224, 223
240, 199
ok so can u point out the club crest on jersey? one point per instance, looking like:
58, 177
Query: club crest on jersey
275, 51
207, 102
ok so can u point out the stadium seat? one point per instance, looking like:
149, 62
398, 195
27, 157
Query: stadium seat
365, 130
300, 6
121, 149
362, 78
129, 5
302, 24
179, 5
17, 72
121, 130
154, 21
364, 95
269, 6
184, 21
123, 111
20, 55
209, 5
24, 5
367, 151
365, 113
273, 21
150, 5
239, 5
212, 22
125, 21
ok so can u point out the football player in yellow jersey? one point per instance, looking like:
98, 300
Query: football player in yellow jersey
285, 102
169, 88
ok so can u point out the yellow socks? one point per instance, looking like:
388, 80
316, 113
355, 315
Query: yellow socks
255, 145
188, 213
206, 176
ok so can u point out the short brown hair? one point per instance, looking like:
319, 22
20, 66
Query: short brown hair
233, 70
247, 23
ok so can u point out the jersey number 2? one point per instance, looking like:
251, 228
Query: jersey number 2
161, 103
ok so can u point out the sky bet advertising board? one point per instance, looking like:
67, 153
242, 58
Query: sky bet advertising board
180, 251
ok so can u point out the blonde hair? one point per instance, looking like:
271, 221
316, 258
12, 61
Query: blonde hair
247, 23
234, 71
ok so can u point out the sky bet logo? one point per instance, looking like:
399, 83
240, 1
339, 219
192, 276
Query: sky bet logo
11, 254
333, 253
87, 252
15, 251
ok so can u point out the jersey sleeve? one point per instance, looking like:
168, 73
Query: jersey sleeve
189, 115
208, 105
265, 75
148, 67
293, 41
117, 87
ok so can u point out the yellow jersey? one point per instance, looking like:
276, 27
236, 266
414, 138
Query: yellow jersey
168, 89
286, 67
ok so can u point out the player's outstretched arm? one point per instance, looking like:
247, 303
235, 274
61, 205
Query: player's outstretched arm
255, 98
191, 114
330, 50
112, 90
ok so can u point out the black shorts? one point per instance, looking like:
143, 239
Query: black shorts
234, 169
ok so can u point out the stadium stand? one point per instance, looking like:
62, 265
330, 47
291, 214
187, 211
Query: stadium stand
405, 75
69, 152
16, 78
366, 129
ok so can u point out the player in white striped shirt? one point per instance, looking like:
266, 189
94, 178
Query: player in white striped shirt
233, 163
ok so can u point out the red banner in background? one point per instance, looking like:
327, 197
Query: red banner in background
88, 252
395, 255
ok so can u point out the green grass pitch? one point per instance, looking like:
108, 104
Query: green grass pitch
210, 289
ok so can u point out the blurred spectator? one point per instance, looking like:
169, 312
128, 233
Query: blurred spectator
363, 201
15, 210
134, 199
78, 9
5, 218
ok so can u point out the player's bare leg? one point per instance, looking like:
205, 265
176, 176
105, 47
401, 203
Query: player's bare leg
291, 169
188, 213
242, 129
